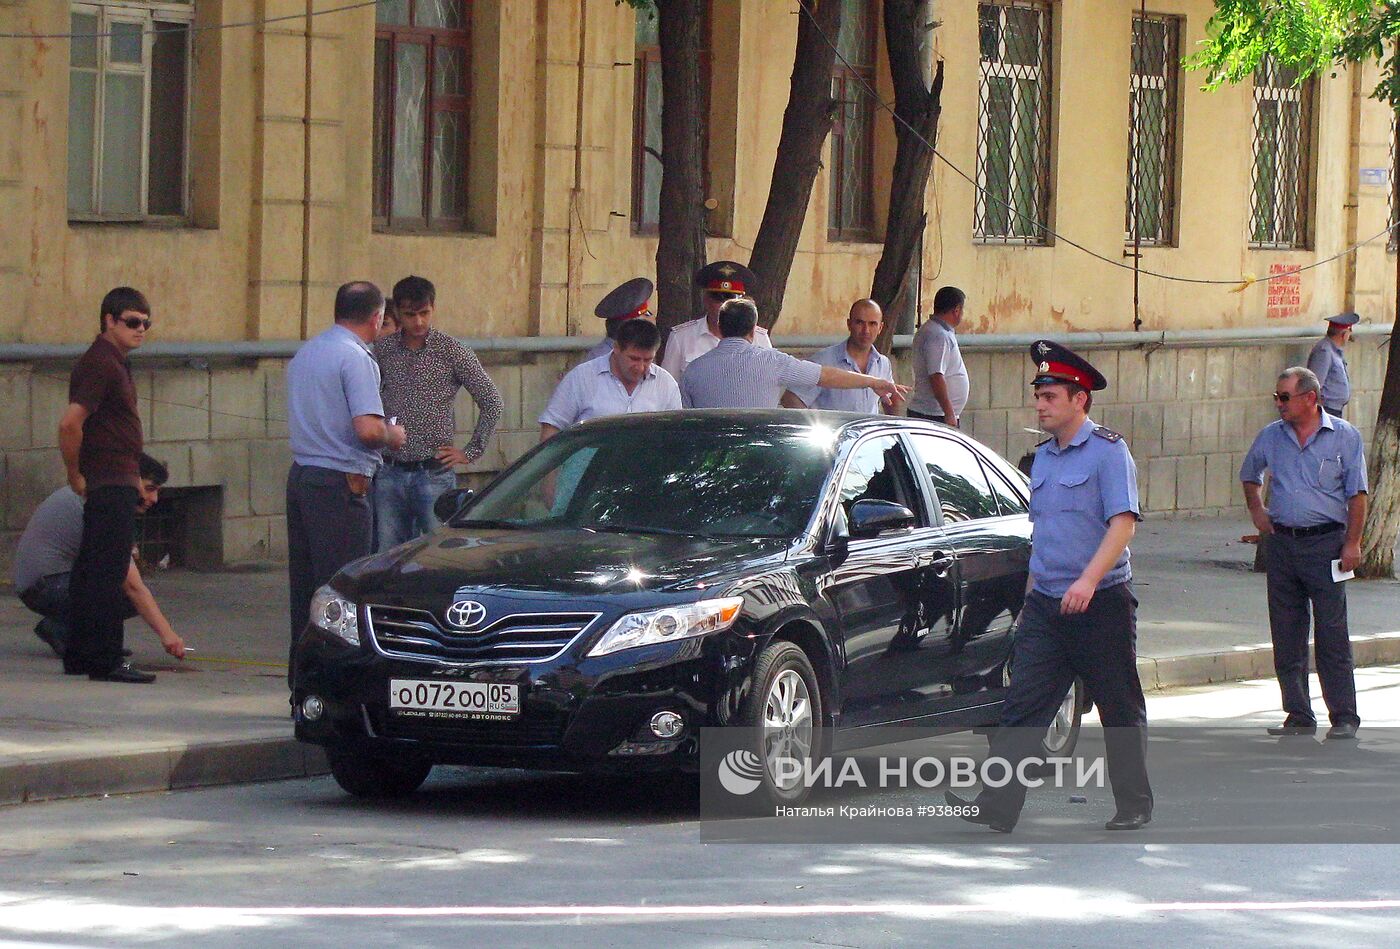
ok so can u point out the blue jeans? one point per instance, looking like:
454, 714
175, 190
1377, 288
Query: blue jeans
403, 503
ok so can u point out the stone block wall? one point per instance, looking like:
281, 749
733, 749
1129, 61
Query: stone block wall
1189, 414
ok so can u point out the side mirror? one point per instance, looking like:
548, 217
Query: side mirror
870, 517
450, 503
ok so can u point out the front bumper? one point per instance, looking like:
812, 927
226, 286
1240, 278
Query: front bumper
577, 713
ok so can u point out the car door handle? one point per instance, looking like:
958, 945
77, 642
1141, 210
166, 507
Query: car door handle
939, 560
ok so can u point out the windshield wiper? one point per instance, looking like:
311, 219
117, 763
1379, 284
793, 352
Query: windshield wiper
502, 525
637, 529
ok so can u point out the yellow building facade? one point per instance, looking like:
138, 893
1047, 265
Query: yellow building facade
276, 168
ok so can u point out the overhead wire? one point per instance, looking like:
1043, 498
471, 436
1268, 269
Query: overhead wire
1241, 282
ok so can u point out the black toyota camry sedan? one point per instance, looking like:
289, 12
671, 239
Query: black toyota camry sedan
638, 578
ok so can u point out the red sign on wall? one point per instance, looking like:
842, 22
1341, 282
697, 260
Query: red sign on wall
1285, 292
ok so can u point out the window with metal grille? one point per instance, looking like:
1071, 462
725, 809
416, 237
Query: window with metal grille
851, 209
1013, 123
422, 98
1152, 119
646, 119
128, 110
1283, 117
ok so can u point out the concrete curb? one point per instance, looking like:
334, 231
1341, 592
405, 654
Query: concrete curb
277, 758
1250, 662
157, 769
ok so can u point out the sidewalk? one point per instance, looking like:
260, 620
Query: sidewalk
221, 716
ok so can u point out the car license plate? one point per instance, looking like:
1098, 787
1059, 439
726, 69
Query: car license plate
418, 698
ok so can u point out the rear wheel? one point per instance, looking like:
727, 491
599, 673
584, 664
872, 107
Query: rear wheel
374, 777
784, 713
1063, 733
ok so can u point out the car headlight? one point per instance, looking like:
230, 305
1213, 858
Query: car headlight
651, 627
335, 614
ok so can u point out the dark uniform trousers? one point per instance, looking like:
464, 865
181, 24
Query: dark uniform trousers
98, 606
1100, 647
328, 525
1299, 572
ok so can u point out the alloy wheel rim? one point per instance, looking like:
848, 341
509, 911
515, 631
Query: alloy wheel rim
787, 726
1062, 727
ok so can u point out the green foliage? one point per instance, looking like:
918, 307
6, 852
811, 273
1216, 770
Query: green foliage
649, 5
1308, 36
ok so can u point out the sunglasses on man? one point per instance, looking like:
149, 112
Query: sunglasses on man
1285, 396
135, 322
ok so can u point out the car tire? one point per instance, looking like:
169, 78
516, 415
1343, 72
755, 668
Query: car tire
784, 714
1062, 735
377, 778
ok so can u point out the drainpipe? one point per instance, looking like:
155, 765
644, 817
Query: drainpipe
306, 176
574, 279
1351, 210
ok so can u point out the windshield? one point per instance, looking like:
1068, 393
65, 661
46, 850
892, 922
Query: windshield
707, 481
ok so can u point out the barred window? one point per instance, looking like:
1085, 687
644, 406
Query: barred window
128, 110
1013, 122
851, 209
646, 119
422, 97
1283, 117
1152, 120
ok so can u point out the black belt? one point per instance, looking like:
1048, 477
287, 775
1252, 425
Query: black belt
427, 464
1313, 531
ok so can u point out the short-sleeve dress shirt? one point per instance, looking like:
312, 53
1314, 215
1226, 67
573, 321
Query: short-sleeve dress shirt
590, 390
738, 374
846, 400
1330, 365
101, 383
689, 341
936, 350
1075, 491
331, 380
1310, 483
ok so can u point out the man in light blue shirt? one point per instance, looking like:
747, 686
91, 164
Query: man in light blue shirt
1317, 507
337, 427
737, 374
856, 353
626, 380
1330, 366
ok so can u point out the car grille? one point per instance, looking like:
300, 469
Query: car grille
521, 637
531, 730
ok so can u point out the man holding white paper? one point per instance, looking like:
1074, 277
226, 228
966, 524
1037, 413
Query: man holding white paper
1317, 505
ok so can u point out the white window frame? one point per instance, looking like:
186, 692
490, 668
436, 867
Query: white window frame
1002, 69
1167, 176
1301, 98
144, 14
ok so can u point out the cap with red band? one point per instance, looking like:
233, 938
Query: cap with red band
1343, 319
627, 301
1055, 363
726, 276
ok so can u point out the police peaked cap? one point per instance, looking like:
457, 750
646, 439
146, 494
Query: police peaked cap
1055, 363
726, 276
631, 299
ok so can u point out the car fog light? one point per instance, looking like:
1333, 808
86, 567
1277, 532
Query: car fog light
312, 708
666, 724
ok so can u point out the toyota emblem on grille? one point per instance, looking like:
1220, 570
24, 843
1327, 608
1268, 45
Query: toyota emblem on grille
466, 614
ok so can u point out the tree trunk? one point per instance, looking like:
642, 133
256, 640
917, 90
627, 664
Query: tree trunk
1383, 504
919, 106
681, 249
806, 124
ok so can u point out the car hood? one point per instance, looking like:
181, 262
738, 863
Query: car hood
576, 563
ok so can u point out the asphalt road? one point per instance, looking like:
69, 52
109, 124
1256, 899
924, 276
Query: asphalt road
505, 858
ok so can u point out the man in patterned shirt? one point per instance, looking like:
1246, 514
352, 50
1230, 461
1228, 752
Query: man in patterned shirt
422, 369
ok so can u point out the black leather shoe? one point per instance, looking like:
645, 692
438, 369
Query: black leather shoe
1122, 821
1346, 731
1286, 730
123, 672
1000, 825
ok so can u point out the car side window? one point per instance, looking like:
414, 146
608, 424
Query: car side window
958, 478
879, 471
1007, 499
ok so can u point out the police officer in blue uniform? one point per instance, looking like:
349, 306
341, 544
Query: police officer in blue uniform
1080, 616
1329, 364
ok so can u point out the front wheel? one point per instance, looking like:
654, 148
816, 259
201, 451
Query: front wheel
378, 778
784, 713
